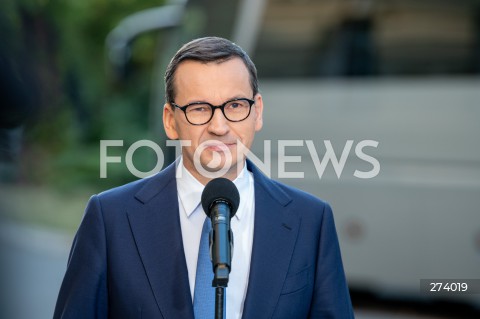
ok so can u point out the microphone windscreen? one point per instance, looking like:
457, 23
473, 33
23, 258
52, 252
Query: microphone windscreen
220, 189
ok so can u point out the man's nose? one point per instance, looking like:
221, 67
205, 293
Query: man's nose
218, 125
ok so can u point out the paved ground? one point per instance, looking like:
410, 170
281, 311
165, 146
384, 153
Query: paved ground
33, 264
34, 261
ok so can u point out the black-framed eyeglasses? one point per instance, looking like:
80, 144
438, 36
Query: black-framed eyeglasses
199, 113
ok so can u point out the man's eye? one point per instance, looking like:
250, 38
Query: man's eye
198, 108
235, 105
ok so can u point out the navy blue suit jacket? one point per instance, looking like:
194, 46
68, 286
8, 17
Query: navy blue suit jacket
127, 258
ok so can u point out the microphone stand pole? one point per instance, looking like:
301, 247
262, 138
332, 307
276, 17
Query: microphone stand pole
220, 282
220, 303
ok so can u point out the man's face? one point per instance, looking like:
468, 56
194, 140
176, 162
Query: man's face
214, 83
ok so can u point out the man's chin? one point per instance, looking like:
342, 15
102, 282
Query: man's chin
213, 171
216, 168
216, 161
217, 164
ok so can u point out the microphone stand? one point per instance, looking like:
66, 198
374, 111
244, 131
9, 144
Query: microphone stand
220, 282
220, 303
221, 276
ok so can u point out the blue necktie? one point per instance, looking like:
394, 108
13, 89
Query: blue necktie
204, 293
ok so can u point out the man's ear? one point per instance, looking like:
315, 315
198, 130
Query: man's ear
169, 122
258, 112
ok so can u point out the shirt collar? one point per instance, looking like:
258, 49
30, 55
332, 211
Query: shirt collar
190, 189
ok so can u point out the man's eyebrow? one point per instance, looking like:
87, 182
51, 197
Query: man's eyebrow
194, 101
235, 97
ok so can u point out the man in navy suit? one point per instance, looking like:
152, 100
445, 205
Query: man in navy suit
135, 253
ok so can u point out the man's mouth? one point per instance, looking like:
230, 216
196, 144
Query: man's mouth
220, 146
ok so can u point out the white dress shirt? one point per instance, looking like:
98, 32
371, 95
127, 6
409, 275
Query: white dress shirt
192, 217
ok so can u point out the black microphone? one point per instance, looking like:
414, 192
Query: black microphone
220, 200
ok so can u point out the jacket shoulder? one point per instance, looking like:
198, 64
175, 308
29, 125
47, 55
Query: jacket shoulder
141, 190
300, 197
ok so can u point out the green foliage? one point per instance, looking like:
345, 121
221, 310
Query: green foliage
78, 104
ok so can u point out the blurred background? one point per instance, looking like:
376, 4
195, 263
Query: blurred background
403, 73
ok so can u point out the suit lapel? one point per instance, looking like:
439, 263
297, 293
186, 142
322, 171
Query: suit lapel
156, 229
275, 233
161, 248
